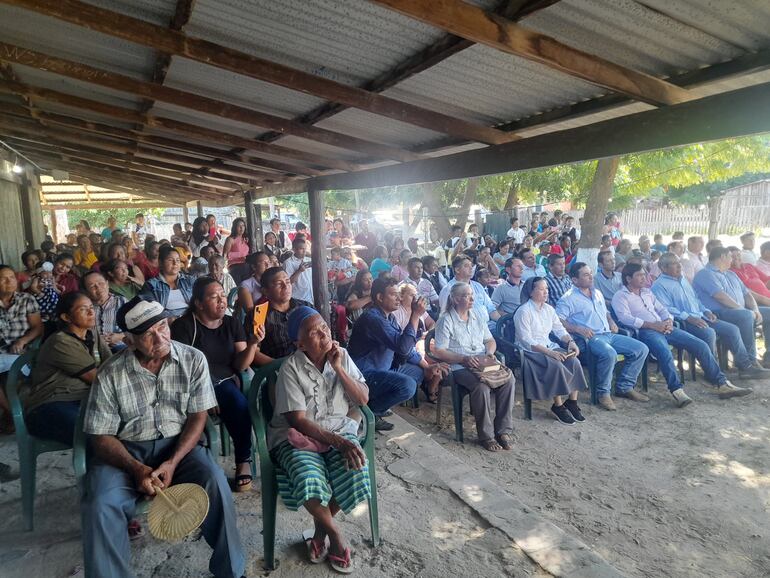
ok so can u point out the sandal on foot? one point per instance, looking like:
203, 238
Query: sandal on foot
135, 530
341, 564
491, 445
243, 483
315, 553
505, 441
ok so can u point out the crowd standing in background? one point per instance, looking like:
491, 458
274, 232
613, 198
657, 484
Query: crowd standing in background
122, 317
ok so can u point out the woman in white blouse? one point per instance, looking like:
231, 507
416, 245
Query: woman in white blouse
549, 370
463, 340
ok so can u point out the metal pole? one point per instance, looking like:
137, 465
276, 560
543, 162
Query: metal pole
259, 236
251, 230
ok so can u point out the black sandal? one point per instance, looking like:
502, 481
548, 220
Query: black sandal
243, 481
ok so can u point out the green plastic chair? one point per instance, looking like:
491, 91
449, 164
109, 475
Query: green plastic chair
30, 447
261, 410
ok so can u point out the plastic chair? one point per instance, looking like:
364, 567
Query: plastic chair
30, 447
261, 409
448, 381
225, 443
505, 335
232, 302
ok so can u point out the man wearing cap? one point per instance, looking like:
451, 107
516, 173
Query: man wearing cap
145, 416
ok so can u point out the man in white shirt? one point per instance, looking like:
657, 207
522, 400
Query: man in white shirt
424, 286
748, 256
463, 269
297, 267
693, 260
515, 233
531, 268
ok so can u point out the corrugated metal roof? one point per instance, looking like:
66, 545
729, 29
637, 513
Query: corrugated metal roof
350, 42
44, 34
221, 84
627, 33
488, 86
208, 121
156, 11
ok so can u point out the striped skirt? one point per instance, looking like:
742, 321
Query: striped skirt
304, 476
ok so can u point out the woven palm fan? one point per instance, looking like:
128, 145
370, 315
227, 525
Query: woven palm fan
177, 511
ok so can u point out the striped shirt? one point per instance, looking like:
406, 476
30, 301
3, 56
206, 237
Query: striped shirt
557, 286
132, 403
107, 314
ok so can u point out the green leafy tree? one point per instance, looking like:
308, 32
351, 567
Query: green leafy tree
97, 218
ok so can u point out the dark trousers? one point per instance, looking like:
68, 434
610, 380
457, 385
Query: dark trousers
390, 388
54, 421
109, 502
234, 412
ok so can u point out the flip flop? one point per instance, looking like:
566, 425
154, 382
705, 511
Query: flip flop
505, 441
315, 554
341, 564
491, 445
135, 530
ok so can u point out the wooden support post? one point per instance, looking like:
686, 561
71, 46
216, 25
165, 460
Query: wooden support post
251, 229
199, 205
715, 211
185, 215
54, 232
317, 205
258, 241
405, 219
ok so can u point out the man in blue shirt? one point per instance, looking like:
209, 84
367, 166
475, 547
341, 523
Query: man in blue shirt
722, 292
385, 354
583, 312
607, 280
531, 268
675, 292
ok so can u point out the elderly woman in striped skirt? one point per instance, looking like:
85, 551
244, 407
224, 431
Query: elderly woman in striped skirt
313, 438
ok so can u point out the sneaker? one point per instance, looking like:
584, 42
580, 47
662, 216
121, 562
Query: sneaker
605, 402
382, 425
574, 409
563, 414
388, 413
727, 390
633, 395
682, 399
754, 372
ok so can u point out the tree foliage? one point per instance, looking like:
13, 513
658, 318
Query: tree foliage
97, 218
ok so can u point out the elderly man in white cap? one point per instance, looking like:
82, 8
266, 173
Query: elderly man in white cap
145, 417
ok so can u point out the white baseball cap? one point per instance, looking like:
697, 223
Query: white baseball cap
139, 314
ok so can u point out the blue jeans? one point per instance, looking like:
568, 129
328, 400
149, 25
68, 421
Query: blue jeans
389, 388
605, 348
659, 345
729, 334
744, 320
54, 421
234, 412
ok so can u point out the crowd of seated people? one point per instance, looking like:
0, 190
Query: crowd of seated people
137, 333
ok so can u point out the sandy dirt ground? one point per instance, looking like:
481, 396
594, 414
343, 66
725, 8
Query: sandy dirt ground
656, 490
426, 531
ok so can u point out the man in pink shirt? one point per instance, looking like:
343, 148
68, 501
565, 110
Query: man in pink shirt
755, 280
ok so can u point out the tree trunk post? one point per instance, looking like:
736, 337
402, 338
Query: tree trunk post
317, 206
185, 215
248, 204
258, 241
54, 232
596, 208
715, 213
199, 206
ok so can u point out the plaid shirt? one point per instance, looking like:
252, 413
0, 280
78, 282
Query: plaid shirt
107, 314
135, 405
277, 342
13, 320
557, 287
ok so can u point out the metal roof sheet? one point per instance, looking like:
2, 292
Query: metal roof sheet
41, 33
156, 11
199, 78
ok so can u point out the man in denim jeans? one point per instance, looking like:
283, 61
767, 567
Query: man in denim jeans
637, 307
674, 291
583, 312
385, 353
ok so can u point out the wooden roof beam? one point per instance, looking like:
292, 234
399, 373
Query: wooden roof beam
484, 27
446, 46
177, 126
189, 100
177, 43
65, 137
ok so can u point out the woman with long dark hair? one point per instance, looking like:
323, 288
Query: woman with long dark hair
65, 369
172, 288
360, 296
222, 339
236, 250
199, 238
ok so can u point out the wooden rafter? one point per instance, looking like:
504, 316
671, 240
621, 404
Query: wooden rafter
484, 27
177, 43
189, 100
191, 130
446, 46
